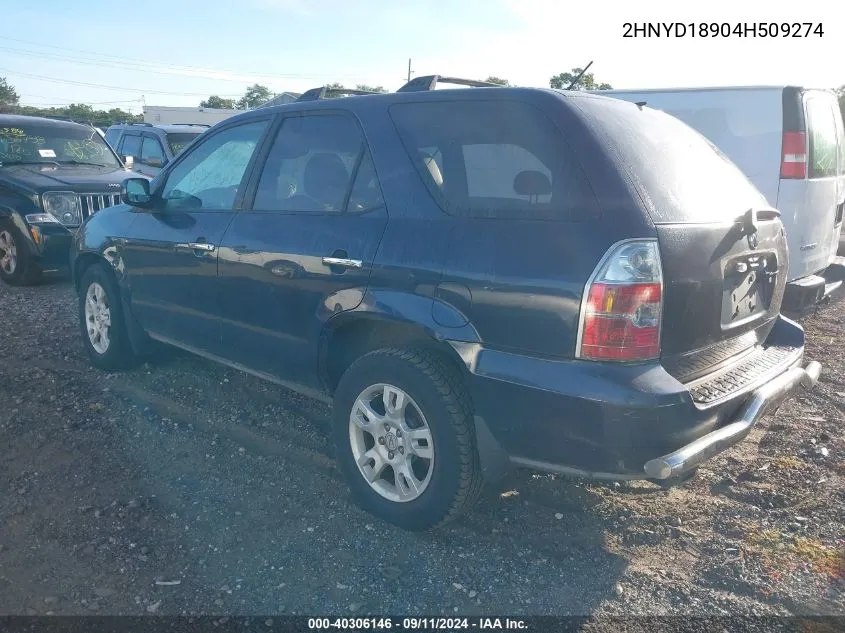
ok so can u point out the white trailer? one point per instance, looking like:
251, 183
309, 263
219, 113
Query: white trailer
163, 115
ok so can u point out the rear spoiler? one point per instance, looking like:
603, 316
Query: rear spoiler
325, 92
429, 82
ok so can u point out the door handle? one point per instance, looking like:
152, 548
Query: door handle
342, 262
196, 246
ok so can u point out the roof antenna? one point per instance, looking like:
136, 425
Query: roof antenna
581, 74
640, 104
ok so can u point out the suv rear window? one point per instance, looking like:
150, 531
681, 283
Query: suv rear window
823, 137
681, 176
494, 159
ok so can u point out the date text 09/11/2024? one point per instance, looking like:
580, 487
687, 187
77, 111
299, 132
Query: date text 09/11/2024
416, 624
722, 29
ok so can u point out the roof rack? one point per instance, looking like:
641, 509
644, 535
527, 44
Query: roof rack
193, 124
325, 92
428, 82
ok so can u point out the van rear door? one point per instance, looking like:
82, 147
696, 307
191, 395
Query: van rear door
723, 247
812, 185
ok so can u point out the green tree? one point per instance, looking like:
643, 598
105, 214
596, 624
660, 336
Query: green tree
587, 82
497, 80
8, 96
218, 102
255, 95
370, 88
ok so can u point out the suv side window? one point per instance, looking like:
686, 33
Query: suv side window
152, 153
212, 173
113, 136
494, 159
318, 164
131, 145
823, 138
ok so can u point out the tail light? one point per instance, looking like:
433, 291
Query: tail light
623, 304
794, 155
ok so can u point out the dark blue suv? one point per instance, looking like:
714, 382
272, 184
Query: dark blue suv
474, 277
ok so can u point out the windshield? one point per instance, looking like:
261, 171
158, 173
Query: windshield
180, 140
50, 144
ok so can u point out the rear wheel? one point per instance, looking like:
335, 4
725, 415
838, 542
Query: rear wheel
405, 439
102, 322
17, 266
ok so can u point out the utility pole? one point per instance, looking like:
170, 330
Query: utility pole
409, 69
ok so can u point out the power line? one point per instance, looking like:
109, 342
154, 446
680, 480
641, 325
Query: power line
61, 101
114, 61
108, 87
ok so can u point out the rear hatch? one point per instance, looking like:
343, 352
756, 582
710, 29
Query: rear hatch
723, 247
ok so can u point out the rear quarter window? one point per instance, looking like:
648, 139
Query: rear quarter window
494, 159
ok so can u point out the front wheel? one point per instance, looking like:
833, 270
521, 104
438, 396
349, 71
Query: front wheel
405, 439
101, 320
17, 266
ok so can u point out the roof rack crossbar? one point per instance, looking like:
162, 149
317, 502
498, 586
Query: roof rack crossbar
193, 124
325, 92
429, 82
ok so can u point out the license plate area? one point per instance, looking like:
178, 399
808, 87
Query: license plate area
748, 287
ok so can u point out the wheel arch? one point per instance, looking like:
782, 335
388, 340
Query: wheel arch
350, 335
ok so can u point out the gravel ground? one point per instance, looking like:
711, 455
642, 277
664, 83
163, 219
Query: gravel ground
186, 487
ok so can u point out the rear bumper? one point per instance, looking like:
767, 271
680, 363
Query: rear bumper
763, 400
808, 291
628, 422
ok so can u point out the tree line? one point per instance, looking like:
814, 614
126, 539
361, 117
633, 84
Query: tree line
257, 95
254, 96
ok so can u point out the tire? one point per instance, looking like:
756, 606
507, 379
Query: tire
117, 352
434, 389
17, 266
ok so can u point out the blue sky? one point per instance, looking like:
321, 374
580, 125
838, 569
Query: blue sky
187, 49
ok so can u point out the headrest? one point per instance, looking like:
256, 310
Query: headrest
532, 183
433, 169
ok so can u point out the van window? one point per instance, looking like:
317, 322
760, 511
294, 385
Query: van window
823, 138
494, 159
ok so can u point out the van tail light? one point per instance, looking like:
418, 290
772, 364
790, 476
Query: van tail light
794, 159
622, 307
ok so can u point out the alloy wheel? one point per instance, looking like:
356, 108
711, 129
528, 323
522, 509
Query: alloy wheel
391, 442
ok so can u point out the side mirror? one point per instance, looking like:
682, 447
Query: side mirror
129, 161
136, 192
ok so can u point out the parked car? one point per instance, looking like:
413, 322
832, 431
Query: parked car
790, 142
53, 174
151, 147
476, 278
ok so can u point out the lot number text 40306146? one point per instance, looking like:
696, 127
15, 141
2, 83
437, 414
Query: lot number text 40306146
722, 29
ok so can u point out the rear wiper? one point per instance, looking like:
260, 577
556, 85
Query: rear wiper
748, 220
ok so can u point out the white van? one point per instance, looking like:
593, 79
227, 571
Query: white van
790, 143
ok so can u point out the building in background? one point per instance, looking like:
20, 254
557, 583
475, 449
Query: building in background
161, 115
